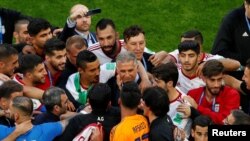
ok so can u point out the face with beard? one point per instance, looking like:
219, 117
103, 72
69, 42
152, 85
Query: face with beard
214, 84
188, 60
38, 75
57, 60
90, 74
107, 39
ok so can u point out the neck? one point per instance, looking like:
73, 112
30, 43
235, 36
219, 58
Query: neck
84, 83
50, 68
208, 95
151, 118
27, 81
190, 73
39, 51
83, 32
172, 94
24, 119
125, 112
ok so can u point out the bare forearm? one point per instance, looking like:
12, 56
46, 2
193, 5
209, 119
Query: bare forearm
230, 64
33, 92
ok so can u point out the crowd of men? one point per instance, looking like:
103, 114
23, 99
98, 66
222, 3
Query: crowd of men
73, 84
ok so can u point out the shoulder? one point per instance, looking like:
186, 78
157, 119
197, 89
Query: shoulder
195, 91
230, 91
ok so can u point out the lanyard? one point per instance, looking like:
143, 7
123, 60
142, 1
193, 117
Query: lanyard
49, 75
92, 38
213, 103
1, 31
248, 24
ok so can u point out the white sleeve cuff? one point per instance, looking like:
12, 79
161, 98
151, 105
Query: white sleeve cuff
71, 23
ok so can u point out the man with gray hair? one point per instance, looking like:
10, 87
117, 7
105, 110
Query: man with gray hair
55, 101
126, 69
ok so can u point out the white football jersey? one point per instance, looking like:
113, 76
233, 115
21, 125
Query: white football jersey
186, 83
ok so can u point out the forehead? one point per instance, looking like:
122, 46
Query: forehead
201, 129
94, 64
139, 37
247, 71
59, 52
188, 52
44, 31
39, 66
126, 64
105, 32
215, 77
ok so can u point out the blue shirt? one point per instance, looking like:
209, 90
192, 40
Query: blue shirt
42, 132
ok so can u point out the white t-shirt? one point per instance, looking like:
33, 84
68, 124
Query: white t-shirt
186, 83
182, 123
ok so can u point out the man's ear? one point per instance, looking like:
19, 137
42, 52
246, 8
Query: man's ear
2, 65
80, 70
16, 116
170, 83
15, 35
3, 103
192, 132
117, 35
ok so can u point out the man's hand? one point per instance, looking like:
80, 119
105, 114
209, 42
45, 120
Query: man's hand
23, 127
97, 134
158, 57
185, 109
191, 101
78, 12
70, 106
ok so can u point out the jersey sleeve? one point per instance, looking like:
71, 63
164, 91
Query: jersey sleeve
5, 131
107, 71
52, 130
174, 54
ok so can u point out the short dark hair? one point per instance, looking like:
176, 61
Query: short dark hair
202, 121
28, 62
9, 87
132, 31
248, 63
189, 45
103, 23
37, 25
130, 95
241, 118
157, 100
247, 1
166, 72
212, 68
193, 34
53, 44
85, 57
99, 96
24, 104
7, 50
52, 97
